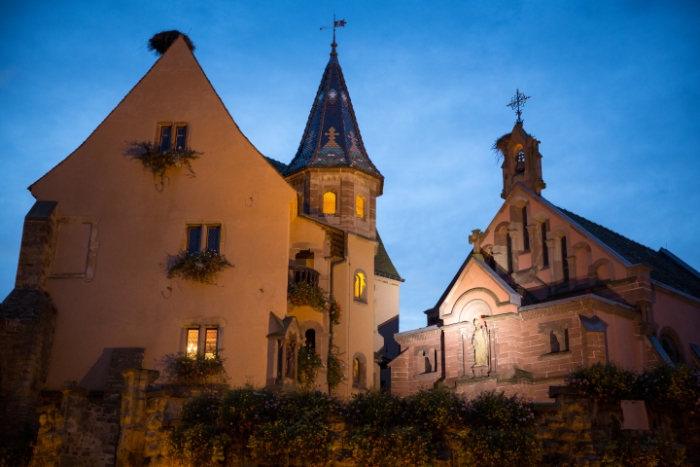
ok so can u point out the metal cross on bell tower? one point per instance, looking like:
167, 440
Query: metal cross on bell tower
517, 103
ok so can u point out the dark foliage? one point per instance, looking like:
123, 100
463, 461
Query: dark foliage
160, 42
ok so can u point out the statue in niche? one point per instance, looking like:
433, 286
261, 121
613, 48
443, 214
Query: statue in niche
290, 361
480, 342
554, 342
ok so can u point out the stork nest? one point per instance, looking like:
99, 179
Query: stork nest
159, 43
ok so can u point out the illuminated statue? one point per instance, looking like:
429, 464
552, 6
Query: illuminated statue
480, 341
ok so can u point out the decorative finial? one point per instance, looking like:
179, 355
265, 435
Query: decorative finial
336, 24
517, 103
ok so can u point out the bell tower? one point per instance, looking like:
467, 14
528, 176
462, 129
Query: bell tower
522, 161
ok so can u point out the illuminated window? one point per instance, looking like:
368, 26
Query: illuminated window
211, 342
329, 202
356, 370
360, 285
520, 162
360, 207
192, 342
211, 339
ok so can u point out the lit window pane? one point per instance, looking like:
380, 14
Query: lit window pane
329, 202
210, 343
192, 342
360, 207
360, 284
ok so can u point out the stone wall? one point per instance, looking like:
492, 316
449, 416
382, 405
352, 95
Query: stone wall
84, 430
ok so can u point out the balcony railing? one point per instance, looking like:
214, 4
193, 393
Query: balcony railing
299, 273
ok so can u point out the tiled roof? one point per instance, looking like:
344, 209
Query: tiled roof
666, 269
279, 166
332, 137
382, 263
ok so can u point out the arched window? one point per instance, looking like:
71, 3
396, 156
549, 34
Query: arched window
509, 252
360, 286
359, 371
310, 336
669, 345
360, 207
356, 370
545, 250
329, 202
520, 162
564, 260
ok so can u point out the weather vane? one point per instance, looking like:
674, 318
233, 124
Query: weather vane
336, 24
516, 103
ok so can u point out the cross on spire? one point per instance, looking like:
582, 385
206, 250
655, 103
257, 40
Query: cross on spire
336, 24
517, 102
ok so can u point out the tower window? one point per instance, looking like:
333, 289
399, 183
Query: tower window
329, 202
564, 260
360, 286
360, 207
520, 162
545, 250
509, 252
526, 234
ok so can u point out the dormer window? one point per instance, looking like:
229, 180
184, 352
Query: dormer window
329, 203
520, 162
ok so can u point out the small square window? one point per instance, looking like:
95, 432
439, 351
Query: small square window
172, 136
203, 238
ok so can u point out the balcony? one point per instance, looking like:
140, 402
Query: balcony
304, 274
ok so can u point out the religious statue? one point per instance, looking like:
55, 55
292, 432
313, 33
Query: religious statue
290, 361
480, 341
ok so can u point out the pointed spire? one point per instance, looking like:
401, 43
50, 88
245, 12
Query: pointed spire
332, 136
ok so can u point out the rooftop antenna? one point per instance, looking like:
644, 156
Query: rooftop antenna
517, 102
336, 24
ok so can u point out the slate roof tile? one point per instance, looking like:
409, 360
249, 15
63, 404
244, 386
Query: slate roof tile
383, 266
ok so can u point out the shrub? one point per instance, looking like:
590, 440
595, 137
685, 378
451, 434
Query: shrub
160, 42
183, 370
376, 409
437, 410
603, 382
203, 266
499, 448
305, 294
669, 387
633, 449
390, 447
309, 362
493, 410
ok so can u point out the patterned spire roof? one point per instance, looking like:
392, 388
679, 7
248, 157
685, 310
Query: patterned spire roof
332, 137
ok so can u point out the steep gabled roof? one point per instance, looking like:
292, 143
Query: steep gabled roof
332, 136
383, 266
666, 268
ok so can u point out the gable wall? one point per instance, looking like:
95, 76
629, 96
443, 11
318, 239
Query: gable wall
136, 225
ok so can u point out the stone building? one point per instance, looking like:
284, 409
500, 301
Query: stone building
93, 296
545, 290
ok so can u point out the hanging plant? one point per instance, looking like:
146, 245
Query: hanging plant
335, 370
305, 294
157, 161
309, 362
202, 266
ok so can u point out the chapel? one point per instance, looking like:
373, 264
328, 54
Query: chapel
96, 291
545, 290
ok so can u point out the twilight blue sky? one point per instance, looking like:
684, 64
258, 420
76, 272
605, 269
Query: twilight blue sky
614, 86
